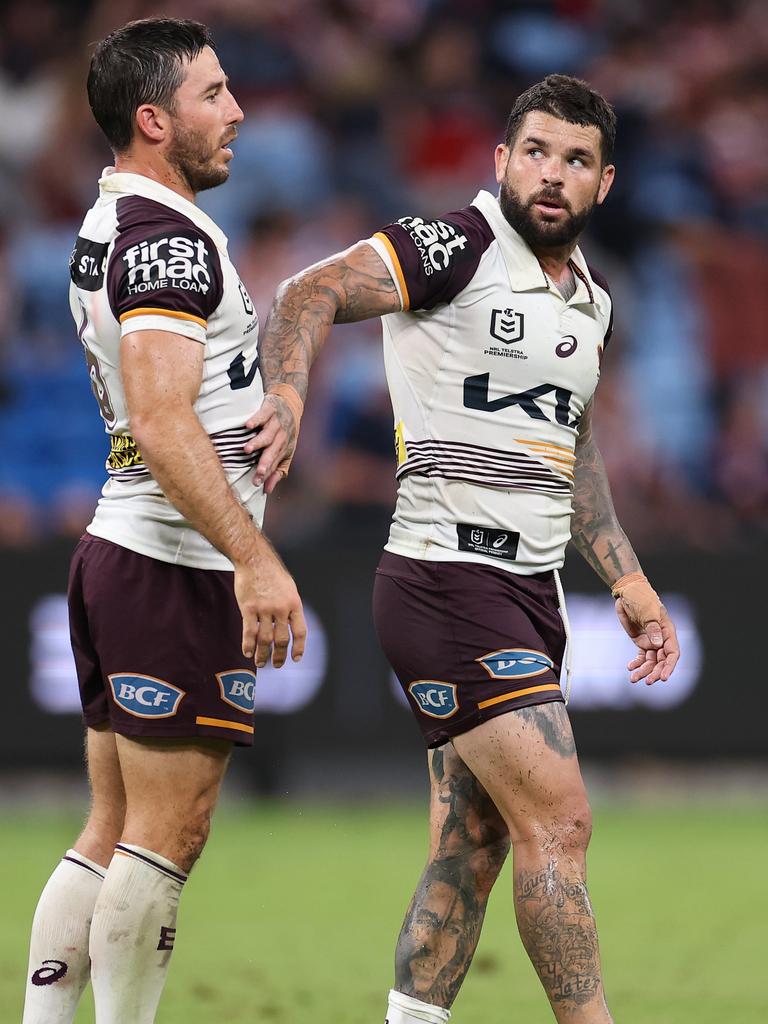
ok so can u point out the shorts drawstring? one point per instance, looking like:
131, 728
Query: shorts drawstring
567, 627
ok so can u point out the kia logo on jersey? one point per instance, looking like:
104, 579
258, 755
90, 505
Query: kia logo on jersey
145, 696
515, 663
435, 698
507, 325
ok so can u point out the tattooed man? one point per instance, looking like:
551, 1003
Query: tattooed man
494, 330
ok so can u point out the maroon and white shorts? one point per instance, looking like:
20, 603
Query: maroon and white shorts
158, 646
468, 641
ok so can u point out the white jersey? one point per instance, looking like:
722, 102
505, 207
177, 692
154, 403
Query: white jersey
147, 259
490, 370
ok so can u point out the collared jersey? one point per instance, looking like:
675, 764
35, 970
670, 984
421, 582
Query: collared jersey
147, 259
489, 370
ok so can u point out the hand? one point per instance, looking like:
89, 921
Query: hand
656, 639
276, 437
271, 609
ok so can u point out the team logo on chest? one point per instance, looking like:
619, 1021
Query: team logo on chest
507, 326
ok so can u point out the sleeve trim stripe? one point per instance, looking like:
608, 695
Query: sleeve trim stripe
398, 269
152, 311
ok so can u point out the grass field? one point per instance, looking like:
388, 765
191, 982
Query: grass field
292, 916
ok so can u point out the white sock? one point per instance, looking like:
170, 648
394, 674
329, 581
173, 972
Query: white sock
132, 935
402, 1009
58, 950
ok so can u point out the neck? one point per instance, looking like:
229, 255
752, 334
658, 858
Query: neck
554, 262
157, 170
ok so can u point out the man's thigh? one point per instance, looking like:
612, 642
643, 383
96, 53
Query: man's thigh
158, 647
526, 760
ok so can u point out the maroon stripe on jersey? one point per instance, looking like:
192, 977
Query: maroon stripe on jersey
438, 258
162, 261
519, 482
599, 280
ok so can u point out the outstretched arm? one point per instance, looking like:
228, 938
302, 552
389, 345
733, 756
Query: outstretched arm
350, 286
598, 536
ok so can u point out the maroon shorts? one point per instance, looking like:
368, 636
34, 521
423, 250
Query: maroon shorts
468, 641
157, 646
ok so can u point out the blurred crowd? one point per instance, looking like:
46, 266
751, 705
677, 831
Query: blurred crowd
362, 111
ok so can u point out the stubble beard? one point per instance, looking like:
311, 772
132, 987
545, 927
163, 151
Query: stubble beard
191, 155
540, 234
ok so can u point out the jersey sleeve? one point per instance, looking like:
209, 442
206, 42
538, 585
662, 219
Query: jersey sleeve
601, 282
164, 273
431, 261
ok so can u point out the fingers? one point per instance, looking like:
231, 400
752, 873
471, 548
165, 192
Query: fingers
250, 632
273, 636
273, 480
269, 458
653, 632
299, 628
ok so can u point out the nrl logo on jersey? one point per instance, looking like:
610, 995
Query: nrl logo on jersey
168, 261
506, 326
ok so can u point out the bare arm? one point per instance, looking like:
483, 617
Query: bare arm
595, 529
161, 374
597, 535
350, 286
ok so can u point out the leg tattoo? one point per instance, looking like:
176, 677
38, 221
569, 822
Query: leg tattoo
558, 930
443, 922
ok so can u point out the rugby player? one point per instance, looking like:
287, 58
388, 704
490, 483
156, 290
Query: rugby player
175, 595
494, 331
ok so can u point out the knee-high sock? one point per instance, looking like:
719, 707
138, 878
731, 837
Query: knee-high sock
58, 950
132, 935
403, 1009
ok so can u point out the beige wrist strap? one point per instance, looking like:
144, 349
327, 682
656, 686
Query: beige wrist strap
624, 581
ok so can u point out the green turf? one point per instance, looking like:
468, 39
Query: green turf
292, 916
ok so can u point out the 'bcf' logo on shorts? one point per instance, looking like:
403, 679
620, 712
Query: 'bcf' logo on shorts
435, 698
145, 696
517, 663
238, 688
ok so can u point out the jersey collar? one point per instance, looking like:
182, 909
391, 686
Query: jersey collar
525, 273
126, 183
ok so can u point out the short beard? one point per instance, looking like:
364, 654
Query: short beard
540, 234
190, 155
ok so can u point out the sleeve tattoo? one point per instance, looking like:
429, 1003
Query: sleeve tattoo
595, 529
353, 285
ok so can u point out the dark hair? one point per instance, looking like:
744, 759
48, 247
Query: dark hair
142, 62
569, 99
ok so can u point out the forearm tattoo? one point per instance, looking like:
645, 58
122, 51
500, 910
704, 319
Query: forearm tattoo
442, 925
595, 530
557, 927
354, 285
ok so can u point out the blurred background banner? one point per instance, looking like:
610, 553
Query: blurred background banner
342, 706
359, 112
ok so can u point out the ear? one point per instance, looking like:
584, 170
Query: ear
152, 123
501, 158
606, 180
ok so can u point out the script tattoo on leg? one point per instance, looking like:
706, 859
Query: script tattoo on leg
442, 924
557, 927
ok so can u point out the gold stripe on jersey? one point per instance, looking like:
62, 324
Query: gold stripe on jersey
517, 693
223, 723
153, 311
398, 269
562, 458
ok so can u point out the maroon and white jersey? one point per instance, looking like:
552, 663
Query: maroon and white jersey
490, 370
147, 259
